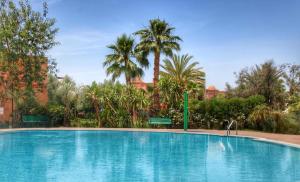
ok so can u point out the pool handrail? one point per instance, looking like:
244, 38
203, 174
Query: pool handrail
229, 126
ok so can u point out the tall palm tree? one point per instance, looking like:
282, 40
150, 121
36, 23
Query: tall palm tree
125, 59
158, 38
182, 70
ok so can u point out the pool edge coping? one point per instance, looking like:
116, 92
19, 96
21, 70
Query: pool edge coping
259, 139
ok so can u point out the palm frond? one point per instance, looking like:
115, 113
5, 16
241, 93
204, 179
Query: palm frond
182, 70
126, 58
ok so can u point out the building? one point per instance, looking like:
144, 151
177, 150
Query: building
211, 92
6, 104
139, 83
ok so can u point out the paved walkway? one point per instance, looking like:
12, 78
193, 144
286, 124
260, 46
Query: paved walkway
293, 140
280, 138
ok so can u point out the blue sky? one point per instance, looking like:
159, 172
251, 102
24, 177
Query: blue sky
223, 36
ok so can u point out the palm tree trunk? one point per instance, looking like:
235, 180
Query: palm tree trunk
156, 101
128, 80
127, 75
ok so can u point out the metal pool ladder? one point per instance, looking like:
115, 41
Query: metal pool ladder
229, 126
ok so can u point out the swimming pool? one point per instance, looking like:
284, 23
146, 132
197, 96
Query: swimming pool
142, 156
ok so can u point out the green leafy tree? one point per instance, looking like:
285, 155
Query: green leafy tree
292, 78
171, 92
125, 59
66, 95
52, 86
25, 38
93, 94
116, 105
158, 38
135, 101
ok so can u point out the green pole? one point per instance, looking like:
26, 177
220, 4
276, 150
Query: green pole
185, 114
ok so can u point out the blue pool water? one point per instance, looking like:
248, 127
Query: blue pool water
71, 156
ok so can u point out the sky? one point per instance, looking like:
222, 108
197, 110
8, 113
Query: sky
224, 36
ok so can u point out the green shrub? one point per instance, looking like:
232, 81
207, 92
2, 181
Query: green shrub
217, 112
292, 124
85, 123
265, 119
56, 114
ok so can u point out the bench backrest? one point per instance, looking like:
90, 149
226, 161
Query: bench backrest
160, 121
34, 118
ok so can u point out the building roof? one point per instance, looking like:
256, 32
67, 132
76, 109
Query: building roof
211, 87
137, 80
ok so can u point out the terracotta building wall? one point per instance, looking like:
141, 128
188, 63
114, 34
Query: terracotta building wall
6, 104
5, 114
139, 83
211, 92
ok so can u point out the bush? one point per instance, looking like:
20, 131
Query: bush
86, 123
265, 119
56, 114
217, 112
292, 124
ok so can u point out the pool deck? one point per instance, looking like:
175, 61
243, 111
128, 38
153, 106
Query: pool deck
286, 139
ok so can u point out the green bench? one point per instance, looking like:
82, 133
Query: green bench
166, 121
35, 120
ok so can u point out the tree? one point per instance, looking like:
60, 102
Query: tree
93, 94
266, 80
121, 105
135, 101
183, 71
25, 38
125, 59
292, 78
171, 92
157, 38
52, 86
66, 95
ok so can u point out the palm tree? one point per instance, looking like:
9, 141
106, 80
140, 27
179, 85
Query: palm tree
180, 74
182, 70
158, 38
124, 59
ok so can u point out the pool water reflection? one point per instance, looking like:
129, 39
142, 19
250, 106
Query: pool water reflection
142, 156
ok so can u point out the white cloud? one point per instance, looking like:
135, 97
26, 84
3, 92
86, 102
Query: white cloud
80, 54
82, 42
